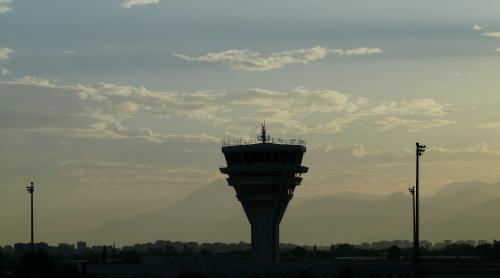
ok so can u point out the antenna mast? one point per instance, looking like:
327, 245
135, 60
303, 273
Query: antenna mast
263, 132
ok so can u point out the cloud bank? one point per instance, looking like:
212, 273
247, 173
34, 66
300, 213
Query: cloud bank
103, 111
244, 59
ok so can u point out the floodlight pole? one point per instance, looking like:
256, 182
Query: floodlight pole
419, 151
31, 190
411, 189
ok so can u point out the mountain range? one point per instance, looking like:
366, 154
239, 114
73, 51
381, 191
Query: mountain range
466, 210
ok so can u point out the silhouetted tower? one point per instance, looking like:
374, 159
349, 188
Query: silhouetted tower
31, 189
264, 174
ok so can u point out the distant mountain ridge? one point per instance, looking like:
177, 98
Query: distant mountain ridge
465, 210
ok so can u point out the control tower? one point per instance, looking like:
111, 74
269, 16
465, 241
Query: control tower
264, 174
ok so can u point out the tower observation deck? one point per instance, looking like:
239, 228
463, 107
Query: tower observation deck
264, 174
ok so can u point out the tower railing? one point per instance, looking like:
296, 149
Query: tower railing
226, 142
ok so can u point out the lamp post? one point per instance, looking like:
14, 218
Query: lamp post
411, 189
31, 189
419, 151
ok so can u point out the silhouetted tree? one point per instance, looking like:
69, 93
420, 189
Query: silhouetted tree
394, 252
484, 250
344, 250
496, 249
104, 254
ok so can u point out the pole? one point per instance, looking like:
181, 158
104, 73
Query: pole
31, 190
32, 232
420, 149
416, 242
411, 189
413, 209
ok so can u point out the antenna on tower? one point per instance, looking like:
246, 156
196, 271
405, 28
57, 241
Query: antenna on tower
263, 132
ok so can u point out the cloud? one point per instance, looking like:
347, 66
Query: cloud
411, 125
5, 6
493, 122
130, 3
495, 35
105, 111
325, 146
244, 59
481, 148
359, 151
414, 107
359, 51
5, 53
4, 71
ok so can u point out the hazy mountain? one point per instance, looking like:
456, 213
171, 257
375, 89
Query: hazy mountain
458, 211
481, 221
492, 189
211, 213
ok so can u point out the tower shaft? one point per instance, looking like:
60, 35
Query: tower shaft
265, 216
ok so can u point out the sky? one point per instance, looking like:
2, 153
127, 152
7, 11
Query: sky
116, 108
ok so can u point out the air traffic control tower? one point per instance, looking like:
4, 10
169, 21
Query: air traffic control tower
264, 174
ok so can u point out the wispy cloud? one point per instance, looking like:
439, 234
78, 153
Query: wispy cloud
358, 151
244, 59
490, 34
130, 3
477, 28
492, 122
481, 148
411, 125
495, 35
4, 71
5, 6
5, 53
